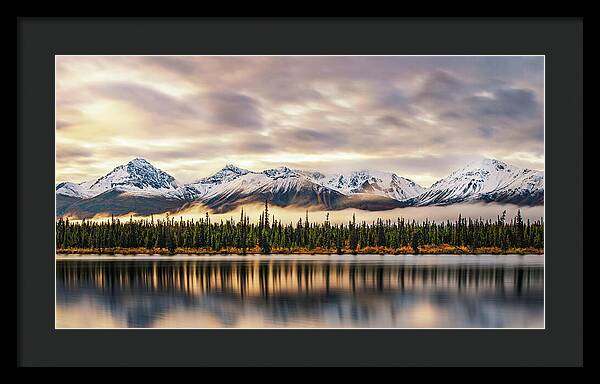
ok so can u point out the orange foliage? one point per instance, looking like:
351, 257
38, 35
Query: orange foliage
405, 250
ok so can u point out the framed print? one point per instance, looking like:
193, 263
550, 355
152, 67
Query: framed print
316, 196
309, 193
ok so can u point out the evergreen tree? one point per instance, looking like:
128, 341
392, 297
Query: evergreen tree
268, 235
353, 236
415, 242
339, 245
171, 244
266, 245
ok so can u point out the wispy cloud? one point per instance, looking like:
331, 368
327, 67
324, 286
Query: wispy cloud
417, 116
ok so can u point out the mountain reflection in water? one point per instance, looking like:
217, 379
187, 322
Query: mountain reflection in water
311, 291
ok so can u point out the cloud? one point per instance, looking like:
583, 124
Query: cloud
66, 153
422, 116
510, 103
60, 124
487, 131
394, 99
391, 120
234, 109
251, 146
311, 135
179, 65
439, 86
147, 99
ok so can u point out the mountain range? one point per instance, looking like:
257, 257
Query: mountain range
139, 187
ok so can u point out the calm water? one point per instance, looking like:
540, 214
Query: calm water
366, 291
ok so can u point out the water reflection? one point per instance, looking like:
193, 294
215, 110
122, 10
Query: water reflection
367, 291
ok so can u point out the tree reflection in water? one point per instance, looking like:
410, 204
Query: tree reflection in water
390, 292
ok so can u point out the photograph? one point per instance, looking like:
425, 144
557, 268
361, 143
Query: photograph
299, 191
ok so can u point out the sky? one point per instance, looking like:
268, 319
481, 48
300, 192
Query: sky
421, 117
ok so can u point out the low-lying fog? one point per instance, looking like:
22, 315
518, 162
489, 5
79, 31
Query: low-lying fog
286, 215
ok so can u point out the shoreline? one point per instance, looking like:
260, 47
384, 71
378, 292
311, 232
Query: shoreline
423, 250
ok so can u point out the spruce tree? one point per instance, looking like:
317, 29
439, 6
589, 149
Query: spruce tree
171, 245
339, 244
415, 242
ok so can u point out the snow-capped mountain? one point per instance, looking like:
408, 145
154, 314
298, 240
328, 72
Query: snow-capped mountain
139, 187
80, 191
282, 186
372, 182
486, 180
137, 176
228, 173
202, 186
136, 187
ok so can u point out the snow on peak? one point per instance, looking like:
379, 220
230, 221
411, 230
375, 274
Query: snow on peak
234, 168
140, 162
79, 191
373, 182
488, 164
138, 173
481, 178
280, 172
226, 174
486, 179
202, 186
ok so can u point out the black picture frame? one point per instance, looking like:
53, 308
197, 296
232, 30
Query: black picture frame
560, 40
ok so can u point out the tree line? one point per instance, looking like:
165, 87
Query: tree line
269, 234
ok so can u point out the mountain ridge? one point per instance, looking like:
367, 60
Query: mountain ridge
488, 180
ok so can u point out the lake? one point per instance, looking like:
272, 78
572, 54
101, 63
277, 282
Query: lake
300, 291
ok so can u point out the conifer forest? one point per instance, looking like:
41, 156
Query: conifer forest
268, 235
